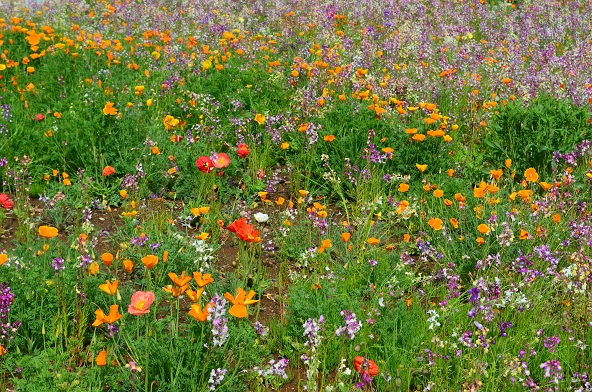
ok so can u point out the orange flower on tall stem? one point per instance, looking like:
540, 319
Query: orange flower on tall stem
101, 358
180, 281
240, 301
150, 261
110, 318
109, 287
48, 231
197, 313
202, 280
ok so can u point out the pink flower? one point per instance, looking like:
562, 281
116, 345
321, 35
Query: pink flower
221, 160
204, 164
141, 301
5, 202
39, 117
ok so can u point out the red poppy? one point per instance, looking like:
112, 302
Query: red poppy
367, 366
243, 150
5, 202
204, 164
244, 231
108, 170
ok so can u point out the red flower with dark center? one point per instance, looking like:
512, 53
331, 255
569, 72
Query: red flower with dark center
204, 164
366, 366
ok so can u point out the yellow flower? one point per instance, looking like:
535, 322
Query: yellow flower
421, 168
259, 119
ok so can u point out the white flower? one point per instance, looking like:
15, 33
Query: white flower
261, 217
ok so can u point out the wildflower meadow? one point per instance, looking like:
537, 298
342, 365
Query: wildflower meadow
305, 195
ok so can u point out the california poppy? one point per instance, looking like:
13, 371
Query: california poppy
180, 281
111, 318
197, 313
435, 223
403, 187
150, 261
140, 302
345, 237
531, 175
107, 259
109, 287
202, 280
373, 241
483, 228
48, 231
109, 109
421, 168
101, 358
3, 258
128, 265
239, 302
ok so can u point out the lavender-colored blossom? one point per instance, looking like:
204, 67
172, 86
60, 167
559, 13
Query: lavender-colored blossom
216, 377
352, 326
219, 321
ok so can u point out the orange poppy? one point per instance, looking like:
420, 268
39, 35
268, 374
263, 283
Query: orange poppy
239, 302
421, 168
197, 313
194, 295
524, 234
150, 261
497, 174
101, 358
438, 193
175, 291
345, 237
531, 175
435, 223
483, 228
128, 265
202, 280
48, 231
329, 138
109, 287
180, 281
111, 318
109, 109
480, 241
107, 259
556, 218
373, 241
454, 223
326, 243
403, 187
3, 258
93, 269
